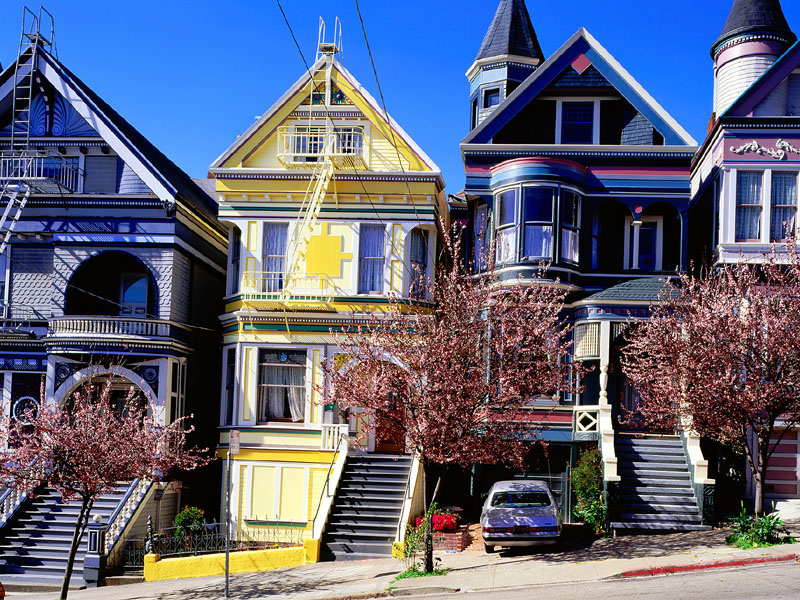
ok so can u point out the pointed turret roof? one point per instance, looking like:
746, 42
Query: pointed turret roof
754, 16
511, 33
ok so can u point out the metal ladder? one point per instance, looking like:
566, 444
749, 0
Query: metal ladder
304, 225
17, 194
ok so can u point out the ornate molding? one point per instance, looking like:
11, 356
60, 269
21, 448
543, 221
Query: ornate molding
779, 152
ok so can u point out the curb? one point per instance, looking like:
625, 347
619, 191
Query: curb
739, 562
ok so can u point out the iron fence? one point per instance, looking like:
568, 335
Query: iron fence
207, 539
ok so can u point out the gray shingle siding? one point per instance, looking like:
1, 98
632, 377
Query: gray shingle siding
31, 281
637, 131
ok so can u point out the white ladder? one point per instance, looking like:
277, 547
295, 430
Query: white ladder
304, 225
17, 194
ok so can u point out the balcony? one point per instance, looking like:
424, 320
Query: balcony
44, 174
273, 290
114, 331
302, 147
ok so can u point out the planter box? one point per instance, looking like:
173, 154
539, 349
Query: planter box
454, 542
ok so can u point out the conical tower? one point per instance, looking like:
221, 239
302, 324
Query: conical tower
755, 35
510, 52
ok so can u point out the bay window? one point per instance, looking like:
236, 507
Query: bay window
538, 211
570, 226
418, 251
281, 386
748, 206
480, 223
783, 206
506, 226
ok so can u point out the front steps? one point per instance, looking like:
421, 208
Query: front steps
655, 489
367, 508
35, 545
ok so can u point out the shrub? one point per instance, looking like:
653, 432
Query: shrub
587, 483
190, 520
755, 531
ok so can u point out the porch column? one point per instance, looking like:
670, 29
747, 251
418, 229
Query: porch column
605, 353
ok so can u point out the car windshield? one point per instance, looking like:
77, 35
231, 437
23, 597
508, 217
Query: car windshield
520, 499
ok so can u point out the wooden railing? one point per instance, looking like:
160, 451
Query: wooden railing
125, 511
56, 172
331, 434
302, 147
341, 445
271, 287
585, 419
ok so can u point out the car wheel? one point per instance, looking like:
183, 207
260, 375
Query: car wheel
489, 549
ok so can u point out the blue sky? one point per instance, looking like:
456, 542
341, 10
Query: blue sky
193, 74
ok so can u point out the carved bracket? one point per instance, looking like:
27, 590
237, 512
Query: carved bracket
779, 152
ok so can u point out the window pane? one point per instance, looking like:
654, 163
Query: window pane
491, 98
371, 258
647, 246
569, 245
479, 225
235, 253
748, 205
784, 205
274, 260
538, 204
281, 386
539, 241
230, 385
506, 208
570, 208
577, 122
506, 245
418, 252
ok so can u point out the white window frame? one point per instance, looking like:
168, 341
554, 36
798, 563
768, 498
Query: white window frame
595, 117
524, 222
497, 228
766, 201
659, 220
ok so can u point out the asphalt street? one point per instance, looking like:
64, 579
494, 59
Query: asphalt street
774, 582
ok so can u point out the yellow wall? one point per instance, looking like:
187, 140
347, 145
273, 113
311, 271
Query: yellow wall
156, 569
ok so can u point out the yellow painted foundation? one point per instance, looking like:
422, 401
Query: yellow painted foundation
156, 569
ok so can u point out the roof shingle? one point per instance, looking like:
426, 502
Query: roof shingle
511, 33
753, 16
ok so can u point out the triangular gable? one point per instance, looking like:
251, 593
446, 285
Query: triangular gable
158, 173
781, 69
354, 94
582, 50
65, 121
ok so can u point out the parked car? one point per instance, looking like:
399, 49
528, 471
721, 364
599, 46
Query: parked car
520, 513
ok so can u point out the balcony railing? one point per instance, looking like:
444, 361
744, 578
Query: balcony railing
47, 174
267, 289
302, 147
90, 327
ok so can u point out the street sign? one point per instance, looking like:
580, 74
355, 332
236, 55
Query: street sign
234, 443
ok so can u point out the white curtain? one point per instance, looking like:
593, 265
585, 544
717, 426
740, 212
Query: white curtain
274, 263
479, 225
748, 205
282, 393
371, 258
570, 248
506, 245
784, 204
539, 241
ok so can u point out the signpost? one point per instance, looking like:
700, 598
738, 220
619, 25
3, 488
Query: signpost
233, 450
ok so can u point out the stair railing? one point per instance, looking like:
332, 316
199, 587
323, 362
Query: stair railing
14, 497
329, 489
408, 498
702, 485
125, 511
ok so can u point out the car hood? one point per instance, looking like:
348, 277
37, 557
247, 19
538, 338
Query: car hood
542, 516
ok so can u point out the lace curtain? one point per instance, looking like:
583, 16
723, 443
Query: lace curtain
274, 264
281, 393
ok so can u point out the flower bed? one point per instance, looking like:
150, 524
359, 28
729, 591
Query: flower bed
455, 541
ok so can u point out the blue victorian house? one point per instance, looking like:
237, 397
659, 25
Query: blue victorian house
569, 161
112, 265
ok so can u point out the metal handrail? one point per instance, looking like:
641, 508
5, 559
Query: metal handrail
326, 485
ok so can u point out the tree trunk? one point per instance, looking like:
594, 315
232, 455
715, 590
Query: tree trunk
760, 476
80, 527
429, 529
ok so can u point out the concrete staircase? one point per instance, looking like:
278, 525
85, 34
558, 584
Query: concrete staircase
35, 544
367, 508
655, 489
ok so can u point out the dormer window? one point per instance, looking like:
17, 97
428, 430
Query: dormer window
577, 122
491, 98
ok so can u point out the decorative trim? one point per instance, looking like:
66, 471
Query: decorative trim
782, 147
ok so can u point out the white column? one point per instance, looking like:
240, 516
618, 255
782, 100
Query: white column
605, 356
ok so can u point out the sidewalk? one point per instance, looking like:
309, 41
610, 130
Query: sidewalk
469, 571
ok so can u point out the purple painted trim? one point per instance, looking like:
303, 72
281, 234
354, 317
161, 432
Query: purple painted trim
761, 88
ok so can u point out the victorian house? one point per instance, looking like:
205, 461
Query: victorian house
745, 175
111, 263
570, 161
332, 209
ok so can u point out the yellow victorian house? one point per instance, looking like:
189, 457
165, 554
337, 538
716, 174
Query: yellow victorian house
332, 209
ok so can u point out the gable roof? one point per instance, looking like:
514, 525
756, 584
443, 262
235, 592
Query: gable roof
754, 16
511, 33
258, 127
163, 177
582, 43
786, 64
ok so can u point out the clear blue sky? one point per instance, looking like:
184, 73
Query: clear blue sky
193, 74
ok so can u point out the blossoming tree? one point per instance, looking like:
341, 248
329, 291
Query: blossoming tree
88, 444
719, 354
452, 380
